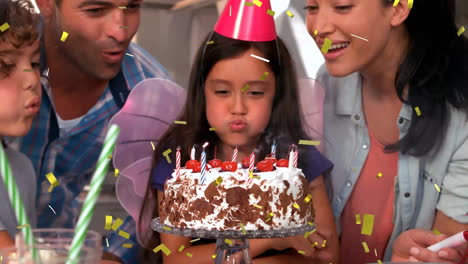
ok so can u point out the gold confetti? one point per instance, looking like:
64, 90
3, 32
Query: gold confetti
258, 206
194, 240
257, 3
167, 228
118, 222
116, 173
307, 234
379, 175
166, 154
163, 248
324, 243
358, 219
366, 248
271, 214
213, 256
123, 27
251, 174
437, 232
64, 36
181, 248
122, 7
218, 181
248, 3
410, 4
22, 226
212, 129
368, 224
109, 157
437, 187
309, 142
301, 252
314, 244
127, 245
243, 228
152, 145
353, 169
264, 76
108, 224
4, 27
271, 12
379, 261
396, 2
52, 180
418, 111
291, 15
461, 30
27, 70
180, 122
124, 234
326, 45
245, 88
228, 241
375, 251
210, 42
296, 206
268, 219
189, 254
310, 223
315, 32
308, 198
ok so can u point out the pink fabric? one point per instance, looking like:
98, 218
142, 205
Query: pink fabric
371, 195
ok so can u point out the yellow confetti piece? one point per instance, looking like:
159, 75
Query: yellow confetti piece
296, 206
309, 142
271, 214
123, 27
379, 175
271, 12
127, 245
108, 224
213, 256
109, 157
418, 111
308, 198
122, 7
353, 169
437, 232
212, 129
243, 228
116, 173
437, 187
258, 206
311, 224
180, 122
167, 228
22, 226
27, 70
245, 88
194, 240
52, 180
375, 252
315, 32
264, 76
251, 174
64, 36
291, 15
218, 181
314, 244
366, 248
181, 248
368, 224
166, 154
189, 254
324, 243
396, 2
257, 3
268, 219
249, 4
410, 4
118, 222
326, 45
124, 234
4, 27
461, 30
163, 248
210, 42
301, 252
152, 145
307, 234
228, 241
358, 219
379, 261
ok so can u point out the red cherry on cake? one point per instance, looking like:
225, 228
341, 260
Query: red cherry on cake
271, 160
282, 163
246, 162
265, 166
229, 166
191, 164
215, 163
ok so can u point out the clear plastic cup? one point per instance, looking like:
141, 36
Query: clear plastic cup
52, 246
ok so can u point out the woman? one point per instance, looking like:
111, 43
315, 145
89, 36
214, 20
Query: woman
395, 125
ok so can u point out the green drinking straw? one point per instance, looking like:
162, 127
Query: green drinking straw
95, 188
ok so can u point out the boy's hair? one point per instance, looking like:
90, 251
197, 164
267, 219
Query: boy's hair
284, 127
23, 21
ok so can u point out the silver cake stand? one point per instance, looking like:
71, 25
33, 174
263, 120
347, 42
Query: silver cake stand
232, 246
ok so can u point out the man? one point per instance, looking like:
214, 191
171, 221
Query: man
89, 67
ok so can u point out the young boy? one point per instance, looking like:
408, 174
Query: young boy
20, 97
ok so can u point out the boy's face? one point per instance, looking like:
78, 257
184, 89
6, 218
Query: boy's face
99, 32
20, 89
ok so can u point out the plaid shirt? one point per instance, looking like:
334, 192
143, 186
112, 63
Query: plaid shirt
72, 157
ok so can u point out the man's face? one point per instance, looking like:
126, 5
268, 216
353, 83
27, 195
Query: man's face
99, 32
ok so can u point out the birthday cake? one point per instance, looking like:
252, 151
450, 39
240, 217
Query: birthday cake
271, 196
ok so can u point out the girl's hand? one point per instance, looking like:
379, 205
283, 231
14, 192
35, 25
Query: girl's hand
411, 246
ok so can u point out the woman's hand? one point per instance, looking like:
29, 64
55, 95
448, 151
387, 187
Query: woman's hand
309, 246
411, 246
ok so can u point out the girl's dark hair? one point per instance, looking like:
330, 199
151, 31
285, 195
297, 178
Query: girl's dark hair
23, 21
436, 71
284, 126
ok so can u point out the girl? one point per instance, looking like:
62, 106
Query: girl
395, 117
250, 118
20, 95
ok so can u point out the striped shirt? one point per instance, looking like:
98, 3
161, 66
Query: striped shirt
72, 157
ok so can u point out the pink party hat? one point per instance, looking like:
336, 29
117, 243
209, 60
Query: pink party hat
247, 20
